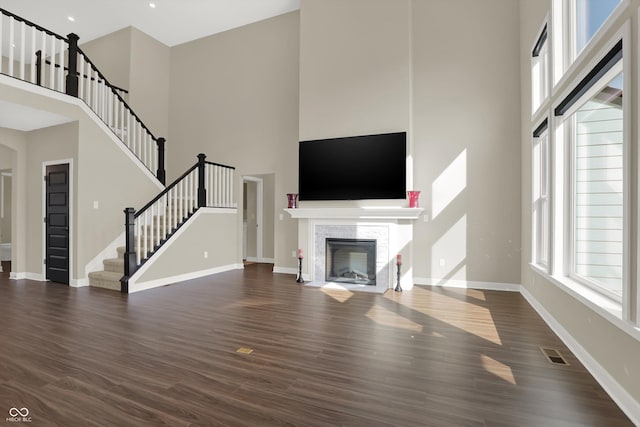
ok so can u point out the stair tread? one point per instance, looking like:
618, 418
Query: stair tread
105, 275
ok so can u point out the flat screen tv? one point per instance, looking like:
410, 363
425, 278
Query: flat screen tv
353, 168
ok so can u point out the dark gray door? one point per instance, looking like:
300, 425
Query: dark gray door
57, 223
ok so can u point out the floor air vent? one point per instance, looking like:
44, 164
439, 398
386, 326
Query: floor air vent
553, 356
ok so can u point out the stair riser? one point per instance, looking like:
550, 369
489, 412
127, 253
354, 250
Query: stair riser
114, 267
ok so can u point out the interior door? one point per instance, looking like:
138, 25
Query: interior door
57, 223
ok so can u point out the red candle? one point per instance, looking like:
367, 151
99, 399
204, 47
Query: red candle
300, 254
399, 259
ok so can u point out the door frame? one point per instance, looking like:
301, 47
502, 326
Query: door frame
259, 214
43, 211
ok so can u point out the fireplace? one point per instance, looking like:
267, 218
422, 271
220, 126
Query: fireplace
351, 261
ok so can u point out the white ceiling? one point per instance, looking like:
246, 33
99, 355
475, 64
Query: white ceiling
172, 22
20, 117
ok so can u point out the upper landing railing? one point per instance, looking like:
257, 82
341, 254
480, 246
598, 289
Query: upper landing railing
34, 54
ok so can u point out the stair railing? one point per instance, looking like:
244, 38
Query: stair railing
20, 39
205, 184
105, 100
36, 55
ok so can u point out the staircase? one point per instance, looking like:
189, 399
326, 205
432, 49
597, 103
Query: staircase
113, 271
51, 61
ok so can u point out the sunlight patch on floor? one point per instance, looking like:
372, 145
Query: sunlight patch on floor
385, 317
498, 369
340, 295
453, 311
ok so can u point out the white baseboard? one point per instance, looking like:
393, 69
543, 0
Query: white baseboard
623, 399
286, 270
143, 286
79, 283
261, 260
467, 284
26, 275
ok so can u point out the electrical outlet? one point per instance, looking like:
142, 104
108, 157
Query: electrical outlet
293, 254
206, 254
95, 204
442, 262
281, 217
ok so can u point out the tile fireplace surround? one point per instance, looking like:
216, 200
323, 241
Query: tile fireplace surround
391, 227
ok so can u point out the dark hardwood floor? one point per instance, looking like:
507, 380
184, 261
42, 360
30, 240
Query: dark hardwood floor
168, 356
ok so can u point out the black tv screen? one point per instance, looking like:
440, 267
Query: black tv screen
353, 168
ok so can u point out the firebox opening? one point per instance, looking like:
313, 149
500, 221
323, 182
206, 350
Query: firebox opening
351, 261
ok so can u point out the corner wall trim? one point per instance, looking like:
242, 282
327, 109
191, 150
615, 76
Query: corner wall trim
623, 399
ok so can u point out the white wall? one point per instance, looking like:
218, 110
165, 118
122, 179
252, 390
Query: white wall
354, 67
466, 103
234, 97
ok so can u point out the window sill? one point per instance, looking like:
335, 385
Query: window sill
609, 309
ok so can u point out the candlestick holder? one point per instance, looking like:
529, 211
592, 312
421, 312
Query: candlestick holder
300, 279
398, 287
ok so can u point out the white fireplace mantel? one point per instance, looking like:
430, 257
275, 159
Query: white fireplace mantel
356, 213
391, 228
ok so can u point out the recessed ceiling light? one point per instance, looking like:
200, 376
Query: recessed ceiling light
71, 18
152, 5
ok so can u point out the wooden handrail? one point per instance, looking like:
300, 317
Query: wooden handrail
31, 24
112, 87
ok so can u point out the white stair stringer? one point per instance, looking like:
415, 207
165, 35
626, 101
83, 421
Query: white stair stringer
215, 221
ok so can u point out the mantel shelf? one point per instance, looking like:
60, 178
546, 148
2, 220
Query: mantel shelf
356, 213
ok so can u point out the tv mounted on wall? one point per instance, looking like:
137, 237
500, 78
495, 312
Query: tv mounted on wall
353, 168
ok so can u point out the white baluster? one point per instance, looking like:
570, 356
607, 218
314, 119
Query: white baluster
170, 194
145, 146
61, 79
81, 78
11, 46
23, 43
32, 64
145, 240
139, 139
1, 40
212, 185
164, 214
138, 241
128, 129
43, 57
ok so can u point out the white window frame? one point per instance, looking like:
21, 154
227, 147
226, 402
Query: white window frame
563, 23
541, 58
541, 167
562, 169
570, 176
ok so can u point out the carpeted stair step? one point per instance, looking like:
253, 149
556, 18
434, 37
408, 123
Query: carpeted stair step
115, 265
121, 250
105, 279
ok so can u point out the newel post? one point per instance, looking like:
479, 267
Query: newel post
72, 74
130, 260
161, 173
202, 191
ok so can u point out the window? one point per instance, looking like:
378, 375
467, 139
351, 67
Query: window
540, 192
589, 15
597, 223
540, 71
576, 22
595, 172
